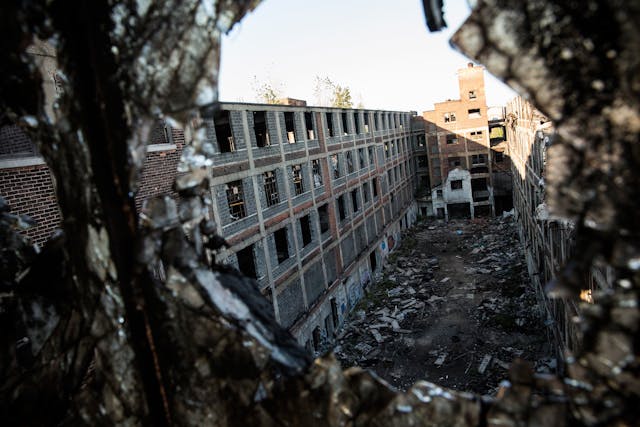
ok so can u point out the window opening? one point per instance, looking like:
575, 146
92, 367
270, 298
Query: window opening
474, 113
224, 135
334, 313
374, 187
372, 157
316, 338
345, 124
365, 192
499, 157
476, 134
342, 214
472, 94
271, 188
297, 179
282, 244
323, 218
289, 124
317, 173
356, 122
235, 199
308, 122
305, 228
456, 184
350, 168
373, 261
452, 139
330, 129
335, 165
246, 262
366, 122
260, 129
354, 200
449, 117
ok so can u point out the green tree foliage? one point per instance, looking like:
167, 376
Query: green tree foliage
330, 94
267, 92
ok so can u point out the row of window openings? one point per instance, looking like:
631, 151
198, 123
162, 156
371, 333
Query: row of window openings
394, 148
452, 138
235, 192
334, 161
472, 113
397, 172
246, 256
333, 131
226, 141
355, 203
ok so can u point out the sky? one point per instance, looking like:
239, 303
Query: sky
381, 50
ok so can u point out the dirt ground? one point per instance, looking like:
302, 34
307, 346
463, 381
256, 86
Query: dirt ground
453, 306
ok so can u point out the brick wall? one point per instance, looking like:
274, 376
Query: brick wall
15, 142
30, 191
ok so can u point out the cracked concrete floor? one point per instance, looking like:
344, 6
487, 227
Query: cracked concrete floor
454, 307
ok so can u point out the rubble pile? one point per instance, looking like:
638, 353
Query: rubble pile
453, 306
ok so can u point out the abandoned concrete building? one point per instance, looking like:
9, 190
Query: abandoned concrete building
311, 200
460, 155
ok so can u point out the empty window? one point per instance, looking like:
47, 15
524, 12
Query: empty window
354, 200
289, 124
454, 162
376, 121
317, 173
456, 184
449, 117
224, 136
342, 213
349, 157
476, 134
323, 218
420, 141
472, 94
316, 338
386, 150
499, 157
372, 158
235, 199
356, 121
361, 158
452, 139
296, 170
374, 187
345, 124
305, 228
366, 122
474, 113
365, 192
330, 128
334, 160
422, 161
260, 129
334, 312
390, 176
271, 188
246, 262
478, 159
373, 261
438, 193
282, 244
308, 123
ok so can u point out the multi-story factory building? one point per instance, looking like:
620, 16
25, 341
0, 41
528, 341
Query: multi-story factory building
310, 200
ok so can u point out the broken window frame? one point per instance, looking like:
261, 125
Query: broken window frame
247, 262
316, 171
349, 160
297, 177
271, 188
331, 131
334, 161
235, 200
451, 139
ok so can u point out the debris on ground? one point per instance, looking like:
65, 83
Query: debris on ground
454, 306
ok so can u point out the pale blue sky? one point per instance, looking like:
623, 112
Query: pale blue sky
382, 50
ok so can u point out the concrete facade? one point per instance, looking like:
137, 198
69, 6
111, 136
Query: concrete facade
548, 241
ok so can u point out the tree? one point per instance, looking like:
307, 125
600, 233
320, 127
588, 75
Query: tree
330, 94
267, 92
